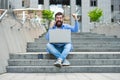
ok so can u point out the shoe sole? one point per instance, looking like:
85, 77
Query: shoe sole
57, 65
65, 65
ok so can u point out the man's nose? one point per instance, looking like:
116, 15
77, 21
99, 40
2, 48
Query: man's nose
59, 19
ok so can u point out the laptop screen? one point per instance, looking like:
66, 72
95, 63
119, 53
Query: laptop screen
59, 36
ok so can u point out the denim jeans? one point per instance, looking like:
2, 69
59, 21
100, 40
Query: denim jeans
59, 52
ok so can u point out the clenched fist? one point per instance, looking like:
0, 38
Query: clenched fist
75, 16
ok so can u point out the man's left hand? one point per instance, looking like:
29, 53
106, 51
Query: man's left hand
75, 16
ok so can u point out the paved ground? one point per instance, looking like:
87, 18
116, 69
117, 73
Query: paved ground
60, 76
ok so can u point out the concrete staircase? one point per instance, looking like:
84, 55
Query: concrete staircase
82, 42
92, 53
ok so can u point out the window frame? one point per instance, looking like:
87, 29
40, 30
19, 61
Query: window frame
93, 3
40, 2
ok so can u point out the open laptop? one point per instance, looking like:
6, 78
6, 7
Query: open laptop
59, 36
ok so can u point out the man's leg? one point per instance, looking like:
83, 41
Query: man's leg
52, 50
67, 48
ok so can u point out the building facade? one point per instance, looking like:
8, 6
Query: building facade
115, 10
3, 4
81, 7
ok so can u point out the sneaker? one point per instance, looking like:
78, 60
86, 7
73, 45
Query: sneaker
58, 63
66, 63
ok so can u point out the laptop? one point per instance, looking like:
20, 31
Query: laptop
59, 36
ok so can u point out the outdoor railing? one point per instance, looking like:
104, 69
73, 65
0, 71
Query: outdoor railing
118, 22
4, 13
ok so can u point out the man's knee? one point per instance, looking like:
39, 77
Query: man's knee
68, 46
48, 45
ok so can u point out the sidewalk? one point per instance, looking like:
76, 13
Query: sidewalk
60, 76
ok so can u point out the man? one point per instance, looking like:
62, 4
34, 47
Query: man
61, 50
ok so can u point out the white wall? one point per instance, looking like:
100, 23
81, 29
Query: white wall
4, 51
16, 4
116, 4
112, 29
14, 41
85, 18
33, 3
105, 5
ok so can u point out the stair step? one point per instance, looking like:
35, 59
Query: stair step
79, 36
81, 42
86, 39
83, 33
72, 55
74, 62
90, 49
86, 33
65, 69
79, 45
89, 35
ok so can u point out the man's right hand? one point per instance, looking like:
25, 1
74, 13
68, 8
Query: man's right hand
52, 23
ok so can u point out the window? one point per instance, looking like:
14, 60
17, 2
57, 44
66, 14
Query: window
40, 1
112, 8
23, 2
54, 2
93, 3
112, 20
64, 2
78, 2
119, 7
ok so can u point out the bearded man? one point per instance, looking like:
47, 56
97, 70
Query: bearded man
61, 50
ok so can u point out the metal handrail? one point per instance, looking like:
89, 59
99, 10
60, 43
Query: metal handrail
4, 13
118, 22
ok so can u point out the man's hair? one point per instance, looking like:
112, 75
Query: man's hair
59, 13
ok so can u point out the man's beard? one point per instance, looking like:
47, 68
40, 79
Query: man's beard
59, 24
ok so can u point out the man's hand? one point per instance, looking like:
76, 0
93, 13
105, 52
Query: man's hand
52, 23
75, 16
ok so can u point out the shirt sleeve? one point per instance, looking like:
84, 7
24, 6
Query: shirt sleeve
47, 35
74, 28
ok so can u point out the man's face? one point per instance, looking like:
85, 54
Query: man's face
59, 20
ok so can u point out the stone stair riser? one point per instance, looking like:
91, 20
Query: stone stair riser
70, 56
71, 69
75, 62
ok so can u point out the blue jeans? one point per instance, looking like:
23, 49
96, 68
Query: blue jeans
59, 52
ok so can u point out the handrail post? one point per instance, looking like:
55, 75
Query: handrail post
4, 13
